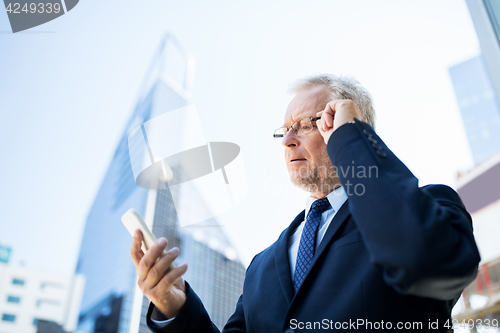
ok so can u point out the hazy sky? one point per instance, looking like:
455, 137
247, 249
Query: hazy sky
68, 87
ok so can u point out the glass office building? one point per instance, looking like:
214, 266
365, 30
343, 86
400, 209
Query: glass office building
485, 15
493, 9
479, 107
112, 301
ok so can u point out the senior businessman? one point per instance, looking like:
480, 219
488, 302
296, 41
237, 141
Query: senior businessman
371, 251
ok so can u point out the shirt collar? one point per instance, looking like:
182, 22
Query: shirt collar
336, 198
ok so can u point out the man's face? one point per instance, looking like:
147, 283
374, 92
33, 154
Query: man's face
306, 157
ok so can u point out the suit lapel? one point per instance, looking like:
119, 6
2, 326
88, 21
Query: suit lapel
281, 258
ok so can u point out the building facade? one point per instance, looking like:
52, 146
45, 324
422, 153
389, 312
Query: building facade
478, 188
485, 15
112, 301
479, 107
479, 192
28, 296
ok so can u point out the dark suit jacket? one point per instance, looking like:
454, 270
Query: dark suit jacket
394, 254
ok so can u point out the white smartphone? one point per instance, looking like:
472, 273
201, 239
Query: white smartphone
133, 221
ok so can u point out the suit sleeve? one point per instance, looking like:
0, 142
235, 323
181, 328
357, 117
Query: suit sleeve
422, 237
194, 318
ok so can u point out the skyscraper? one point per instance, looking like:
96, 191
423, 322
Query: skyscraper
479, 107
485, 15
112, 301
477, 86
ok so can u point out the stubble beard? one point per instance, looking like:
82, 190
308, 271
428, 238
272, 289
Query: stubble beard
322, 178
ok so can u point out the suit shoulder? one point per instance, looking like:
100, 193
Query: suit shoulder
263, 255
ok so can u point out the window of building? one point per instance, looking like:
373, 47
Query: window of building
18, 282
493, 9
8, 317
41, 302
13, 299
56, 285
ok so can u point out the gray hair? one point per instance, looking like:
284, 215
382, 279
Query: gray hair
342, 87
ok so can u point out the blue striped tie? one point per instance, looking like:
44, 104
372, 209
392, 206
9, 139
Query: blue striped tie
308, 241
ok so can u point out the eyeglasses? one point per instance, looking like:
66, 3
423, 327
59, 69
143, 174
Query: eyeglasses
300, 127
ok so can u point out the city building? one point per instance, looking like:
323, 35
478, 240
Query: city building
28, 296
477, 86
479, 107
485, 15
479, 192
112, 301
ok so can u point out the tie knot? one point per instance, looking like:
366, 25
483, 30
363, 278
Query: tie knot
319, 206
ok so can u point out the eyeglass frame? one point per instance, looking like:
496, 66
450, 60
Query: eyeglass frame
281, 136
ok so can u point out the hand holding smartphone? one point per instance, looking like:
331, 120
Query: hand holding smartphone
133, 221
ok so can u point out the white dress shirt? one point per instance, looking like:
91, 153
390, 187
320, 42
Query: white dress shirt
336, 198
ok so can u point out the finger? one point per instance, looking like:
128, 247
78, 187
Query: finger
169, 279
150, 257
321, 124
324, 127
324, 114
329, 114
161, 267
135, 249
328, 121
324, 124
